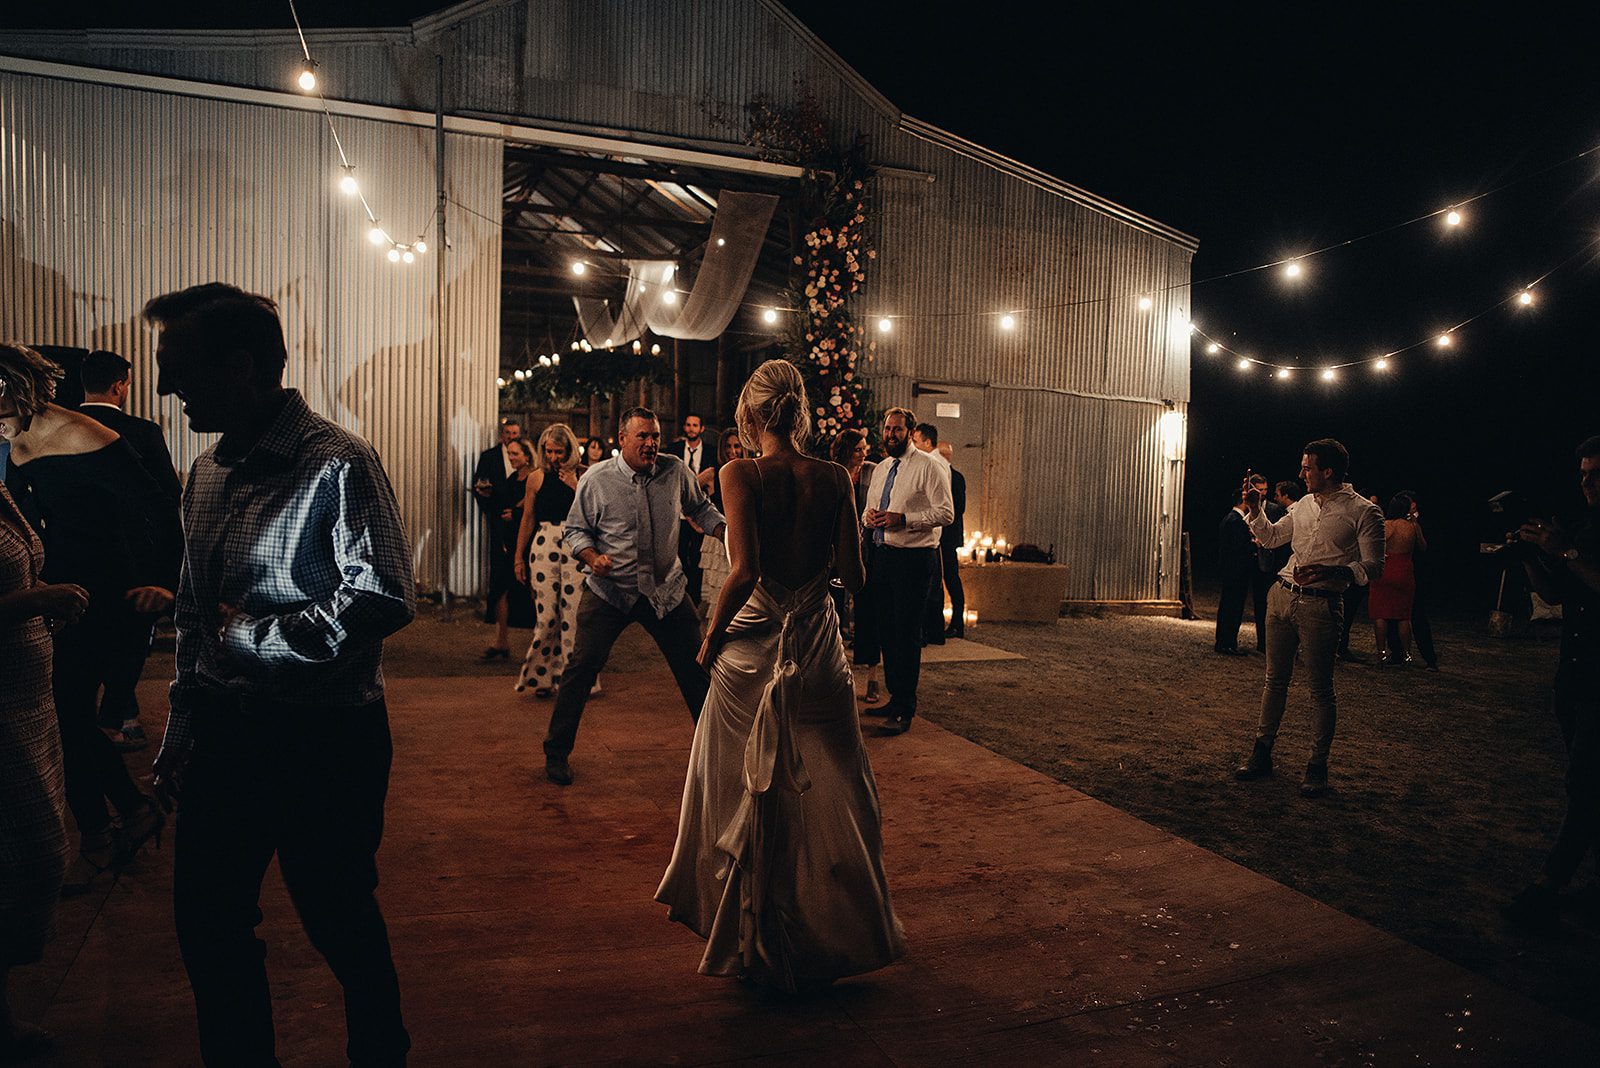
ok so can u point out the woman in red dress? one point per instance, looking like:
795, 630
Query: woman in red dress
1391, 596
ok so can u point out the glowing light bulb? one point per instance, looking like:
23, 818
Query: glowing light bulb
519, 374
1145, 303
638, 347
307, 81
1213, 348
1525, 298
721, 242
576, 346
394, 255
1452, 218
1283, 372
1008, 322
500, 382
1243, 364
669, 297
655, 350
608, 343
544, 361
769, 316
421, 246
376, 235
348, 184
884, 326
1329, 374
1443, 341
1381, 364
555, 359
1193, 327
1291, 269
408, 256
579, 267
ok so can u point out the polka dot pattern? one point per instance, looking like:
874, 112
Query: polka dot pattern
555, 604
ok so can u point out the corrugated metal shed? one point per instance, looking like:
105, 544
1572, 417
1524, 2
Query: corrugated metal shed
1080, 449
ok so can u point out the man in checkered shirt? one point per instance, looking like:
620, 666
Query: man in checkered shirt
295, 570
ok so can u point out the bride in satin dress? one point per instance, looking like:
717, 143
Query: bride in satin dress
778, 863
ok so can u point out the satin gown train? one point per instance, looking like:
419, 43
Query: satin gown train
778, 863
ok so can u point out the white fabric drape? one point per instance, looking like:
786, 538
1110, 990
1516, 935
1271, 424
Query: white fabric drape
737, 232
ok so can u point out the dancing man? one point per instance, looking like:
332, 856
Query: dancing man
1337, 538
623, 527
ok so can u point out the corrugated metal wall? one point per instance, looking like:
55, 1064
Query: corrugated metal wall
1079, 387
109, 196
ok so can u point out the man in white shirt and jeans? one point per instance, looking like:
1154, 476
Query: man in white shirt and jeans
908, 502
1337, 540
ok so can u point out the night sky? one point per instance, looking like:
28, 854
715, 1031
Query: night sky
1267, 132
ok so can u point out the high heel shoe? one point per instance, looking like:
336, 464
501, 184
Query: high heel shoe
139, 828
97, 854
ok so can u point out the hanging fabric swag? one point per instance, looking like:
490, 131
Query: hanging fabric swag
737, 232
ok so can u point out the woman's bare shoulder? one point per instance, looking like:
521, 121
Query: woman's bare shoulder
73, 433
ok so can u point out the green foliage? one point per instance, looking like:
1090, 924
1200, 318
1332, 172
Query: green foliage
580, 375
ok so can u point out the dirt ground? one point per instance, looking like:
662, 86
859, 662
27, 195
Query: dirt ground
1446, 786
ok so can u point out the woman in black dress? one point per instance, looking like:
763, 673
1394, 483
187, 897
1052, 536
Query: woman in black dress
714, 553
108, 528
507, 605
542, 562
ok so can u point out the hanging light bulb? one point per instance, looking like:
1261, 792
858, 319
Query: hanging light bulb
421, 246
1243, 364
579, 267
884, 325
721, 242
519, 374
1008, 322
638, 347
586, 346
544, 361
1452, 217
576, 346
1145, 303
1329, 374
769, 316
655, 350
376, 234
669, 296
1193, 326
1291, 269
1525, 298
1283, 372
394, 255
1213, 348
1443, 341
408, 256
307, 79
555, 359
608, 343
348, 184
1381, 363
500, 382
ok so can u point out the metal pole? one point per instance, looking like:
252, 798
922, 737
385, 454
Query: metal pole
444, 502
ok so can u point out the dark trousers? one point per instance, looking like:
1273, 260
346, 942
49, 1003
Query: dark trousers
599, 626
689, 542
948, 580
1230, 610
1261, 583
94, 769
1579, 716
306, 783
865, 649
124, 664
903, 578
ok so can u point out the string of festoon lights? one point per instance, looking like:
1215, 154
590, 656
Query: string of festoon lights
307, 81
1522, 297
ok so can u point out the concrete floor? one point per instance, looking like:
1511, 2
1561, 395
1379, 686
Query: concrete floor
1044, 927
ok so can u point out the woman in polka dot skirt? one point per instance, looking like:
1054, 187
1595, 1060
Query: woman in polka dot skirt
542, 561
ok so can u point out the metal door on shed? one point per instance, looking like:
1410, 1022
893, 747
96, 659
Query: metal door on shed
958, 413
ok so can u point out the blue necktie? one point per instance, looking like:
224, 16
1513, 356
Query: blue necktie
883, 501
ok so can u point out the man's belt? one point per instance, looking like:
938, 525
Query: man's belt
1314, 591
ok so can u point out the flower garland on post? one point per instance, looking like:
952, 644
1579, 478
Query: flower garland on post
829, 268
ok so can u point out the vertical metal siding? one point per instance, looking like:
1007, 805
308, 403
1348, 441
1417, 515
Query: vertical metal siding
110, 196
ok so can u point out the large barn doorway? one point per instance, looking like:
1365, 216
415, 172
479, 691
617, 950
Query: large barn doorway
958, 413
564, 207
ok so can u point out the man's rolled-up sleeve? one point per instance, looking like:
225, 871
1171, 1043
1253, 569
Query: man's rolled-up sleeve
1369, 547
376, 594
582, 525
1270, 535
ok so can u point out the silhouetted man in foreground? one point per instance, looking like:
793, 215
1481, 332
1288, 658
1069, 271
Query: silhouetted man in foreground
295, 570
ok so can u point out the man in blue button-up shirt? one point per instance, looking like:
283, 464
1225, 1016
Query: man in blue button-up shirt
623, 527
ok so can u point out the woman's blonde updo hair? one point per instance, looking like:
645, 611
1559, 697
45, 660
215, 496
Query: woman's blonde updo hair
774, 400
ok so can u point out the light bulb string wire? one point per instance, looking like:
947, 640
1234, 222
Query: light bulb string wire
1210, 339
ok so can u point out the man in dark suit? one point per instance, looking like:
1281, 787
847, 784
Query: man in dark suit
925, 436
1269, 561
697, 455
489, 481
106, 379
1237, 563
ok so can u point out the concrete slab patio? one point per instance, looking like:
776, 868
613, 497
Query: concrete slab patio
1044, 927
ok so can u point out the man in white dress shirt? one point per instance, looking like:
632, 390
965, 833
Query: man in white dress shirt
1337, 540
908, 502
